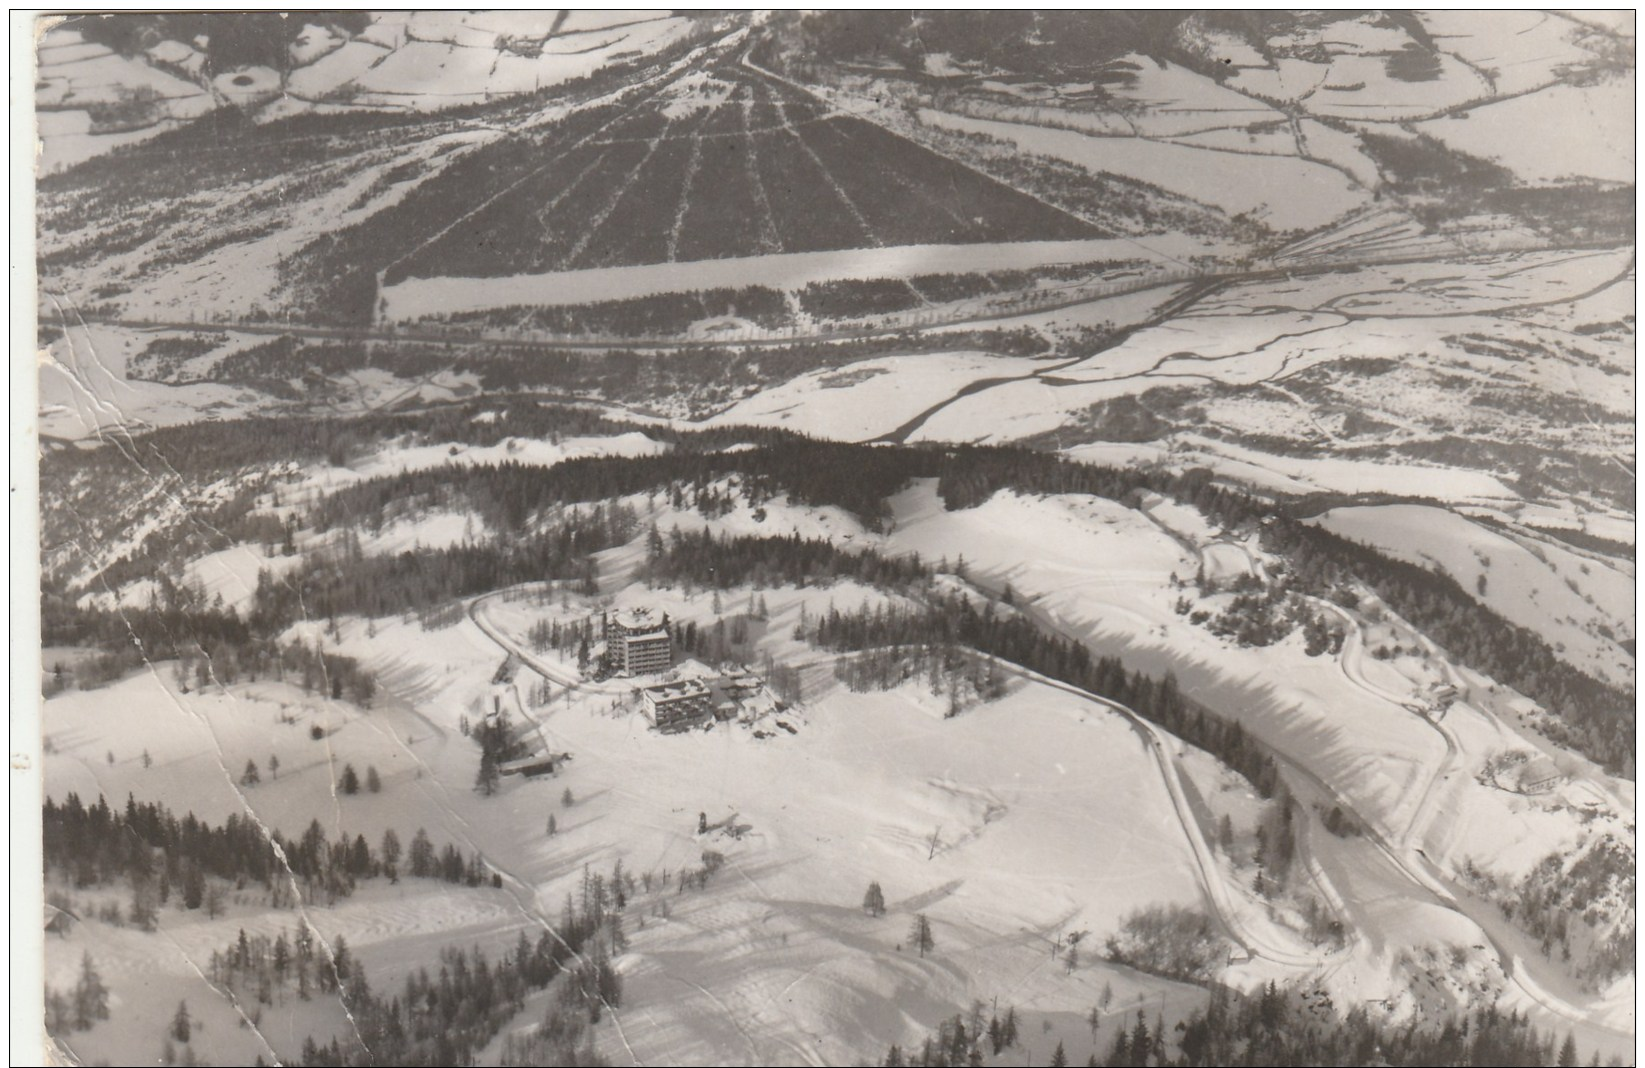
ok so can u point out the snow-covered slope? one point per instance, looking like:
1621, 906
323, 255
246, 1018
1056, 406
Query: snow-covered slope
1581, 605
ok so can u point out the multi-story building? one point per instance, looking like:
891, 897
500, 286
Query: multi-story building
637, 642
676, 706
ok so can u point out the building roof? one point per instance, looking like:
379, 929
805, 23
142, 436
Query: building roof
670, 691
637, 618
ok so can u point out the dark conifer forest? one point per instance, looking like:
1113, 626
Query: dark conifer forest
1274, 1026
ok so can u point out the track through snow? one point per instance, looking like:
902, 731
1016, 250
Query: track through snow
1409, 858
1236, 917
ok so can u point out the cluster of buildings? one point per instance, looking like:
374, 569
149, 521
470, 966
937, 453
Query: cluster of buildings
638, 643
686, 703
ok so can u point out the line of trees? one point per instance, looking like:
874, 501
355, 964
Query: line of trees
328, 585
161, 854
1275, 1025
722, 561
954, 621
961, 673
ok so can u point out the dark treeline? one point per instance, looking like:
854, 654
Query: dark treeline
857, 478
1276, 1025
350, 582
952, 620
815, 473
160, 853
207, 645
722, 561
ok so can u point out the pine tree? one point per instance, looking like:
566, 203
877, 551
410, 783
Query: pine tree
1141, 1042
350, 781
250, 777
59, 1013
143, 913
148, 761
920, 936
873, 901
1567, 1052
566, 799
1059, 1059
421, 855
373, 782
91, 997
180, 1023
273, 766
390, 851
341, 963
553, 825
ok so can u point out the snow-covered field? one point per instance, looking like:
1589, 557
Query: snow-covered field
418, 297
1285, 193
423, 60
1561, 132
1047, 814
74, 77
1104, 570
864, 400
84, 388
1520, 48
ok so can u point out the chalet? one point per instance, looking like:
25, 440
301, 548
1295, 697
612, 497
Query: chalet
637, 642
676, 706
